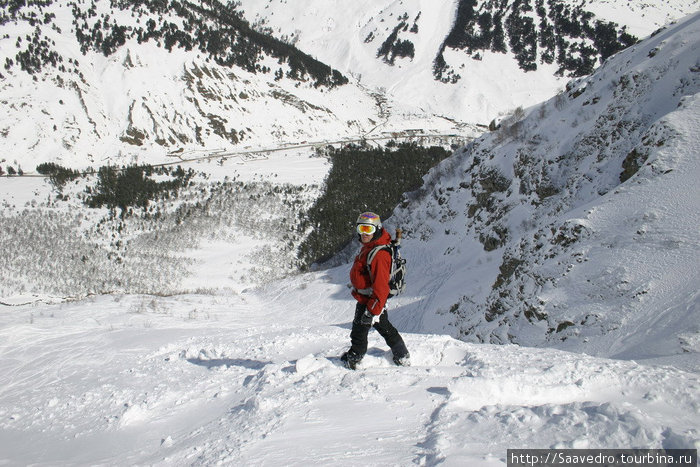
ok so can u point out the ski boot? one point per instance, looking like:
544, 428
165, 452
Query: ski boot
350, 359
402, 360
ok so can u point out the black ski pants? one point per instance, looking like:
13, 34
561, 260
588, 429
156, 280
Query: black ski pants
358, 335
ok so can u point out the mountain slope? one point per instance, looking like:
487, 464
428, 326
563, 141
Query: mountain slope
251, 379
480, 50
574, 225
96, 83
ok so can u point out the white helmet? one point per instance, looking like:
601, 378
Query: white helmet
370, 218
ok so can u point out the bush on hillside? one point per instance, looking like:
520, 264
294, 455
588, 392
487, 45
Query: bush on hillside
132, 186
58, 176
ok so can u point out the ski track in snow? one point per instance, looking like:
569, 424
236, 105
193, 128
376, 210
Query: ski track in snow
254, 379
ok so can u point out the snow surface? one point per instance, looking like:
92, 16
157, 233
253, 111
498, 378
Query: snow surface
254, 379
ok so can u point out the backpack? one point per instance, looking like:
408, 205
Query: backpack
397, 275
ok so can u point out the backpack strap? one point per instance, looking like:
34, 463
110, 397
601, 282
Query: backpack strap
370, 257
373, 252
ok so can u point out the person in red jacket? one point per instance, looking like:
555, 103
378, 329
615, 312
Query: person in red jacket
371, 290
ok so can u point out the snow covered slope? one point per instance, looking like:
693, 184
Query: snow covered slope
254, 380
642, 17
575, 225
165, 89
484, 79
115, 96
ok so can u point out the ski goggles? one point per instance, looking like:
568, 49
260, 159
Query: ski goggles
366, 229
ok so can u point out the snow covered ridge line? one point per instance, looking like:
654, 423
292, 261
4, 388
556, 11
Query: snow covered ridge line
212, 27
578, 206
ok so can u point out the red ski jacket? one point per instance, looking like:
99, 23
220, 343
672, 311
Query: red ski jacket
372, 288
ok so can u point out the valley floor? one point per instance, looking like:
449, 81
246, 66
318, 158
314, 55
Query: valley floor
252, 379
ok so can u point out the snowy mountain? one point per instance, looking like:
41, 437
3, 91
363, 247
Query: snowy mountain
115, 83
574, 225
471, 60
97, 83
